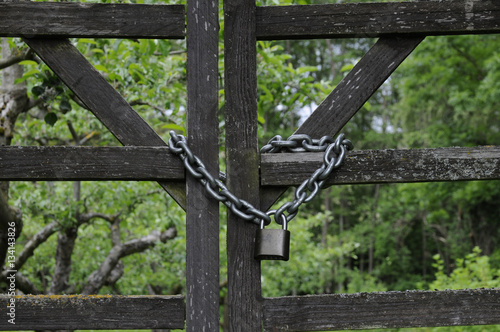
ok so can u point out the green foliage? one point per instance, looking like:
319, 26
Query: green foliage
143, 208
473, 271
450, 80
283, 89
441, 96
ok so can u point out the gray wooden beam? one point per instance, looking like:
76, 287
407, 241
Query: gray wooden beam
65, 163
382, 310
61, 163
101, 98
44, 19
242, 159
378, 19
71, 312
202, 211
386, 166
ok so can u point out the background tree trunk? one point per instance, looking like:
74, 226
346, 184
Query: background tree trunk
13, 101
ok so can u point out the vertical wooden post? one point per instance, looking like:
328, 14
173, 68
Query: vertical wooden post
202, 215
244, 292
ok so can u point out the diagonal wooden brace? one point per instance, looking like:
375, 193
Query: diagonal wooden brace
102, 99
351, 94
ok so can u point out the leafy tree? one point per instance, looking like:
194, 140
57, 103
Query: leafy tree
110, 221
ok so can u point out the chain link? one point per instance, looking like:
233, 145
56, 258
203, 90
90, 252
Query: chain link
335, 152
215, 187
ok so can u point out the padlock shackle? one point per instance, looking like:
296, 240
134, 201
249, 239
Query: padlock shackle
284, 221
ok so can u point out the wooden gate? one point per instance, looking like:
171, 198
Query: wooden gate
400, 27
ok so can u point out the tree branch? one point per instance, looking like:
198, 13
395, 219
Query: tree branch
65, 245
140, 102
8, 215
32, 103
25, 285
97, 279
115, 232
87, 217
28, 55
34, 243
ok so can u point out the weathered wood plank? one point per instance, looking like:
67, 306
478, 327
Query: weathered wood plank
382, 310
61, 163
101, 98
378, 19
64, 19
202, 213
242, 159
72, 312
386, 166
352, 92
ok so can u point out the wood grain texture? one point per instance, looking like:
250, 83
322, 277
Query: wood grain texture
242, 159
65, 163
382, 310
202, 214
386, 166
101, 98
70, 312
378, 19
352, 92
44, 19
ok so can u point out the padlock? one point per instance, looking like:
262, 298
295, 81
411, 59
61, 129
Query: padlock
272, 244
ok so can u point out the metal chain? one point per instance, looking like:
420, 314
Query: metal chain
335, 152
215, 187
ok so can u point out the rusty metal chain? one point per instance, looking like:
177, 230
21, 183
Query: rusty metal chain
335, 152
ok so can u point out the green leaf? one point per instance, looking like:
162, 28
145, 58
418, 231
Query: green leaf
31, 72
367, 106
261, 119
347, 67
305, 69
101, 68
38, 90
28, 63
65, 106
173, 126
50, 118
87, 41
164, 46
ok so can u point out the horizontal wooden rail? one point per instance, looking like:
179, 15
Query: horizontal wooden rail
71, 312
378, 19
386, 166
61, 163
382, 310
64, 19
